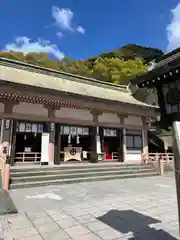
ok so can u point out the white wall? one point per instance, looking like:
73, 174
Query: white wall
1, 107
109, 118
74, 114
30, 109
134, 155
132, 120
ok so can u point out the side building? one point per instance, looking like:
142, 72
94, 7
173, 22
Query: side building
53, 117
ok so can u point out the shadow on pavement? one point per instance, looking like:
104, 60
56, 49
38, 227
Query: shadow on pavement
136, 223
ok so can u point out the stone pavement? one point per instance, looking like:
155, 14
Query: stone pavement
133, 209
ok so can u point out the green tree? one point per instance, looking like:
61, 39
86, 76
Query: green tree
117, 66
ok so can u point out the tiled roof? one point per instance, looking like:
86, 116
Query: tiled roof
23, 73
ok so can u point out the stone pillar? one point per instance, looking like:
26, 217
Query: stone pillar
175, 145
1, 131
7, 135
145, 135
57, 144
8, 129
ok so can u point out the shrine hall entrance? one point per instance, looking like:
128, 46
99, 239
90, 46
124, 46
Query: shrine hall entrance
75, 144
112, 144
28, 142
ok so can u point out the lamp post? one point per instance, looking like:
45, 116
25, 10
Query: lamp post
165, 77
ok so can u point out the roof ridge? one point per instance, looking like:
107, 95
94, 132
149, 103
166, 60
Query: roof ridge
92, 81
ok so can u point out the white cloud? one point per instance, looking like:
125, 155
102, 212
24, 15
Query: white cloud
63, 17
80, 29
26, 45
59, 34
173, 29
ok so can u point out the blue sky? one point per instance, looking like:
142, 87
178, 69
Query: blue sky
83, 28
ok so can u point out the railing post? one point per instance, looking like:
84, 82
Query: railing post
161, 165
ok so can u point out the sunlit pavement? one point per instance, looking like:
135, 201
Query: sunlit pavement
120, 209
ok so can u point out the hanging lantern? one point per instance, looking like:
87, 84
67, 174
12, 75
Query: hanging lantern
7, 124
77, 139
69, 139
52, 127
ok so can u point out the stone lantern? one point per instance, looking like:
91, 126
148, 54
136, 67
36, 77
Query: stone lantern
164, 76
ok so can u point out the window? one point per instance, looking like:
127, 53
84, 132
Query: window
29, 127
129, 141
133, 139
138, 141
110, 132
74, 130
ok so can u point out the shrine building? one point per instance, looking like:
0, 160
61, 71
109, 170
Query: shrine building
52, 117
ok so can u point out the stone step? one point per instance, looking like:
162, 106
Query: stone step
79, 166
56, 171
81, 179
49, 177
28, 176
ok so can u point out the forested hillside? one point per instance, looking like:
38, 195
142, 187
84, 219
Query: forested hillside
117, 66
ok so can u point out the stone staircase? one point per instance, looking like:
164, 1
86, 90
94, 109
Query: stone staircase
33, 176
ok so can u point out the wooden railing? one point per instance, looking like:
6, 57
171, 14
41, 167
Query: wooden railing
161, 161
167, 157
28, 157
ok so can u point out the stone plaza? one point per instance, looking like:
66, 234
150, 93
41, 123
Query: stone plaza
143, 208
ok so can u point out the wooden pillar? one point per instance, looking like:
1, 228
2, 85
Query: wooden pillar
93, 150
120, 149
95, 135
57, 143
122, 136
49, 127
145, 135
101, 134
54, 136
13, 143
124, 144
51, 142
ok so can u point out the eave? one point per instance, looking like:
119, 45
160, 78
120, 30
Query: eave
159, 74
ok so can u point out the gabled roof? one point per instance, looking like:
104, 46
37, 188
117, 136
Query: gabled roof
170, 63
168, 56
32, 75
